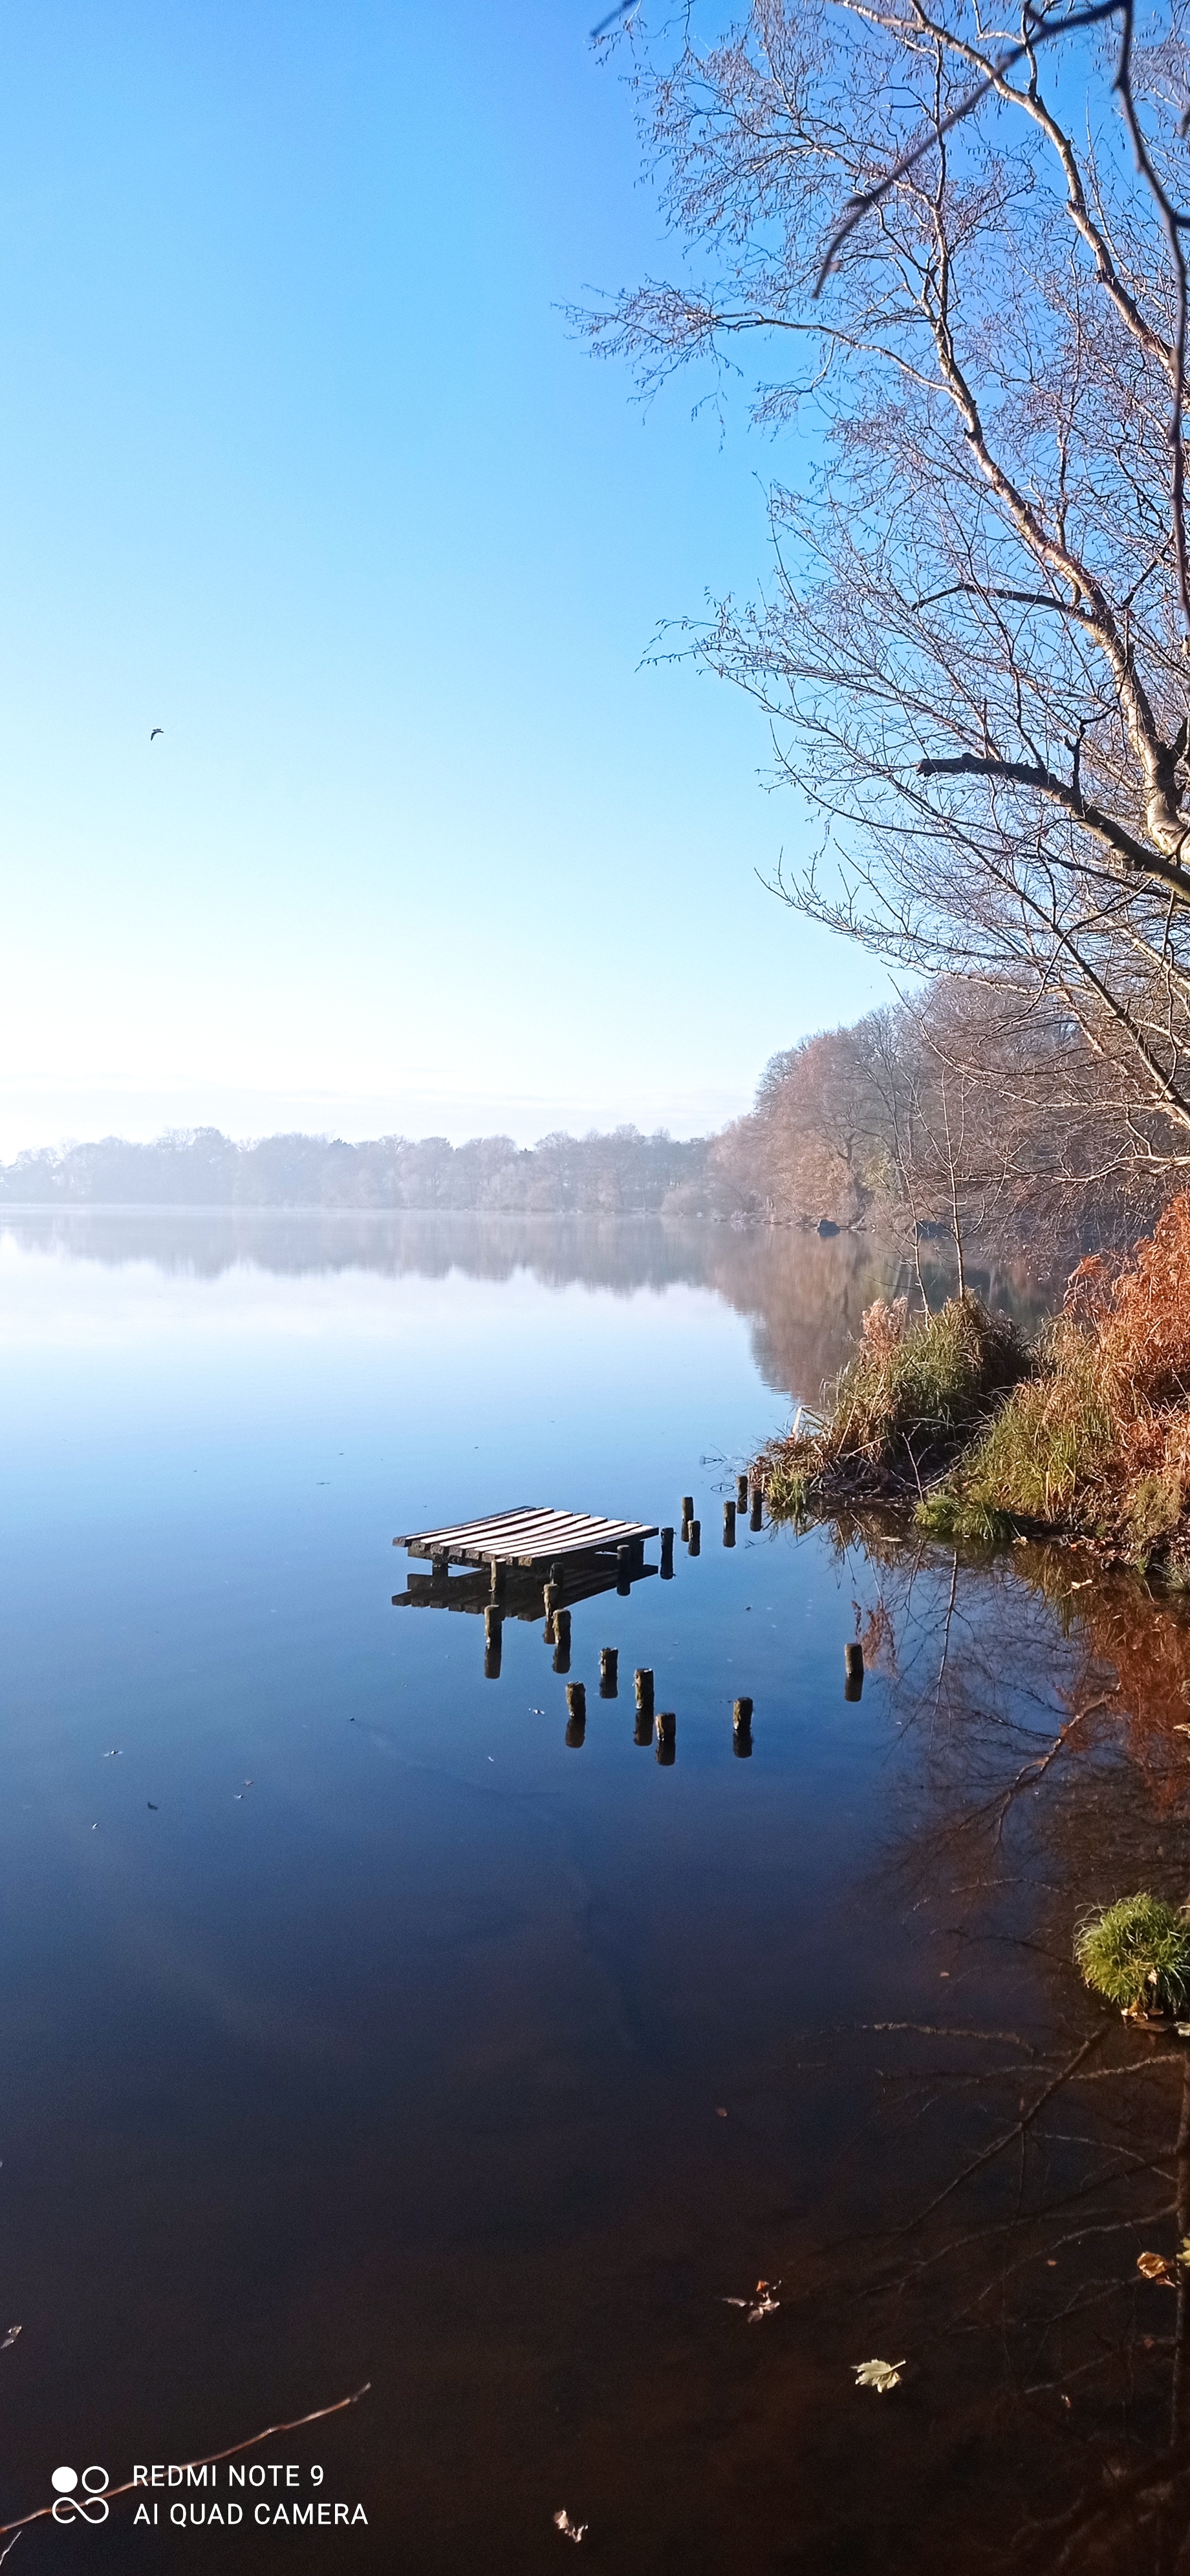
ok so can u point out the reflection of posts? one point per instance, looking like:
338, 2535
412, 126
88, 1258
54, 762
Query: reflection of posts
729, 1525
741, 1728
741, 1493
687, 1514
609, 1672
756, 1515
667, 1727
643, 1682
576, 1733
853, 1668
695, 1539
624, 1568
551, 1597
493, 1634
561, 1641
667, 1555
576, 1713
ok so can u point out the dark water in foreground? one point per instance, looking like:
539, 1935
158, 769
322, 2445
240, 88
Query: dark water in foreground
490, 2070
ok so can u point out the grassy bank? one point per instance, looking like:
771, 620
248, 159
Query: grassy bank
1085, 1433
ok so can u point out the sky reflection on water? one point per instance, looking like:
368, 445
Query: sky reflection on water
356, 2027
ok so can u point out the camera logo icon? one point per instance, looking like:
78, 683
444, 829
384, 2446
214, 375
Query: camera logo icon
79, 2499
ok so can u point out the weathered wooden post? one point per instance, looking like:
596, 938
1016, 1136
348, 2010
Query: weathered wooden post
741, 1493
551, 1597
853, 1668
643, 1684
729, 1525
439, 1568
576, 1730
695, 1539
493, 1623
493, 1637
609, 1672
667, 1727
687, 1513
756, 1515
741, 1728
561, 1641
624, 1568
576, 1699
667, 1556
496, 1579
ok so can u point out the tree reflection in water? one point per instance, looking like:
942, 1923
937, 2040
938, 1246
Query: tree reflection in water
1031, 2144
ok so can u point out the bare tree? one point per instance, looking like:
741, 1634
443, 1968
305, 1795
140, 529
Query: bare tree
973, 648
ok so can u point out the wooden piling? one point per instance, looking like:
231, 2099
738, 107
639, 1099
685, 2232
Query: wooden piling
623, 1569
729, 1525
576, 1730
695, 1539
741, 1493
642, 1681
853, 1668
756, 1515
666, 1732
491, 1660
667, 1556
493, 1624
741, 1715
609, 1672
687, 1507
561, 1641
497, 1575
576, 1699
439, 1568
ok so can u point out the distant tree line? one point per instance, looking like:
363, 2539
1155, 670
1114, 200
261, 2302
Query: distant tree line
970, 1113
621, 1174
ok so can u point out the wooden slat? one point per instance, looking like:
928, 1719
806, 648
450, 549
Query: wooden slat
528, 1534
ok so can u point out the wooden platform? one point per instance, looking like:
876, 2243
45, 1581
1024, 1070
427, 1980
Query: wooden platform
532, 1535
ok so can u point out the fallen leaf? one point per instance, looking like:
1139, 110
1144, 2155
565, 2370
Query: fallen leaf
10, 2337
570, 2530
720, 2114
1154, 2268
761, 2304
882, 2375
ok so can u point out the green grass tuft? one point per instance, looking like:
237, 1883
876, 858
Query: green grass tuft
1137, 1954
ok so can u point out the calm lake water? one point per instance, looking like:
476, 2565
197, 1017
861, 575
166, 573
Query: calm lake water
354, 2026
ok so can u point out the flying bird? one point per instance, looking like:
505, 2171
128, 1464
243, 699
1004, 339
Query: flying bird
156, 730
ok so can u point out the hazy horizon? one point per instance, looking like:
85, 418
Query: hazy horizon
143, 1119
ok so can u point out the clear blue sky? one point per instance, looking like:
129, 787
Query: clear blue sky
300, 462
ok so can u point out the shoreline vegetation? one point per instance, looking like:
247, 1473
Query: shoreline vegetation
974, 1432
